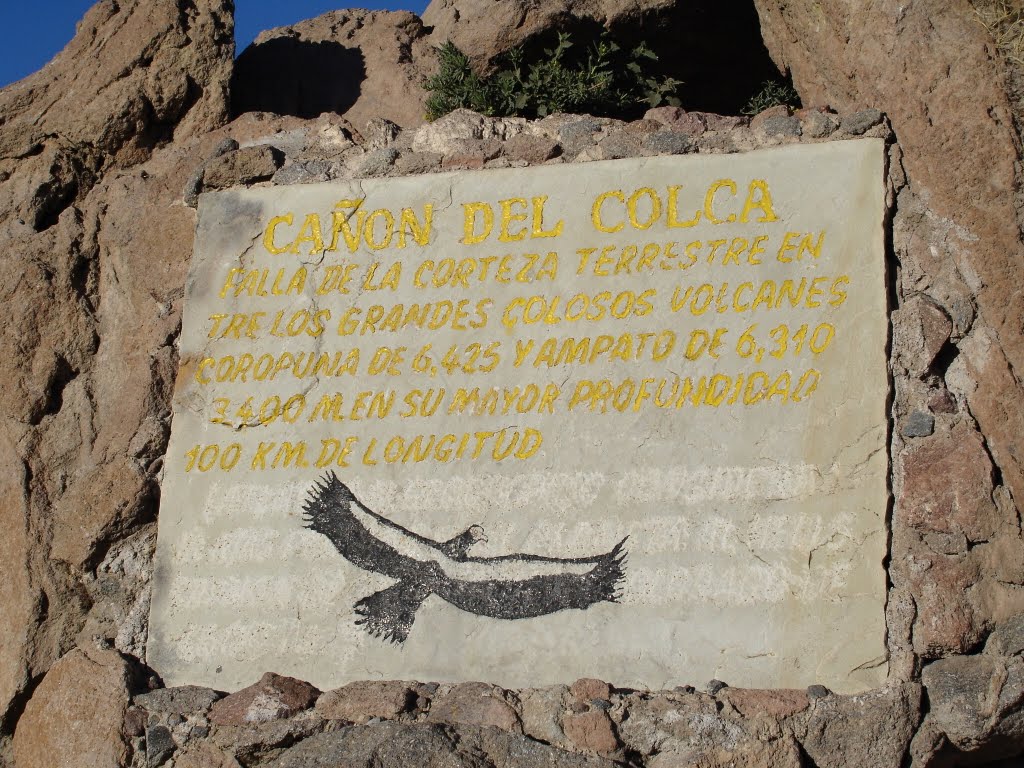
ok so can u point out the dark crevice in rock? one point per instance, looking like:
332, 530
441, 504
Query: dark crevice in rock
806, 761
52, 400
948, 353
295, 77
716, 49
16, 708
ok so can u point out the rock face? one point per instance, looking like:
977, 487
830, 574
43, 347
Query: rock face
83, 431
96, 152
136, 75
274, 697
76, 716
361, 64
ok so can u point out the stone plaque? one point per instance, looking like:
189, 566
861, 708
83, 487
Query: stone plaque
622, 419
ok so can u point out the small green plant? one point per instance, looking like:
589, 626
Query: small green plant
602, 78
772, 94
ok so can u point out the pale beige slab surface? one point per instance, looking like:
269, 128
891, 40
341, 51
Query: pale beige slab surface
751, 483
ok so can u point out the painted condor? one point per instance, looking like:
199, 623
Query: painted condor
515, 586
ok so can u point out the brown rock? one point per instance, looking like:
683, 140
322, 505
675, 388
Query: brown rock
274, 697
693, 124
76, 715
975, 705
247, 165
541, 709
18, 596
588, 689
996, 402
751, 702
920, 330
132, 73
947, 485
476, 704
873, 728
779, 110
471, 153
360, 64
135, 720
359, 702
404, 745
725, 122
204, 755
947, 621
750, 753
676, 724
591, 731
84, 433
532, 149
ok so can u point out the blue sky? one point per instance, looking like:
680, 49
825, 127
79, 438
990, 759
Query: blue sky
31, 34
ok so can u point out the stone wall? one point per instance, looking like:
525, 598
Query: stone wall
101, 156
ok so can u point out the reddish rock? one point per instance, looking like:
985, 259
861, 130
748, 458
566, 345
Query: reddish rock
693, 124
920, 330
781, 703
532, 149
475, 704
947, 485
946, 619
591, 731
588, 689
77, 714
274, 697
359, 702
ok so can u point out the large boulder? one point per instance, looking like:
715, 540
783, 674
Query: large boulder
360, 64
94, 255
77, 714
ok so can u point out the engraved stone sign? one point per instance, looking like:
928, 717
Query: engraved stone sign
622, 419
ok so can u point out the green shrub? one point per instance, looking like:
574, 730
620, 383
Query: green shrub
772, 94
602, 78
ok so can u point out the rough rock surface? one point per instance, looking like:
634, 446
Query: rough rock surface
274, 697
389, 745
360, 64
362, 701
99, 153
83, 430
136, 75
76, 716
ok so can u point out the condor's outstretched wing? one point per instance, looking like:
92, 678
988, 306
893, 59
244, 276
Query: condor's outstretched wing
375, 543
364, 538
540, 595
